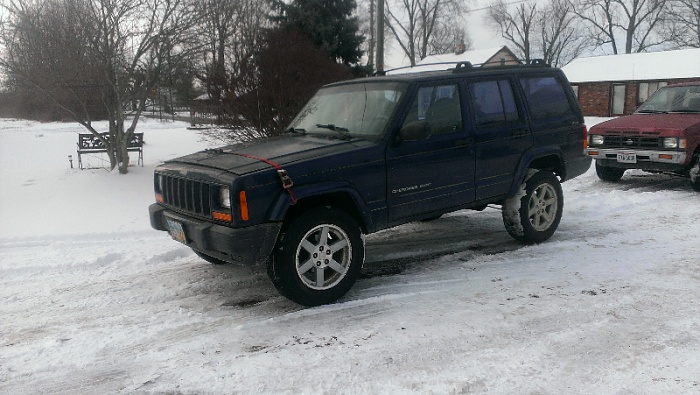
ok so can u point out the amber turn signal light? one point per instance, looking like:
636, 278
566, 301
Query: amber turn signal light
244, 205
222, 216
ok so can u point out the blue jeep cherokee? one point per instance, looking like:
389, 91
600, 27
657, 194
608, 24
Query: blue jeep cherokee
373, 153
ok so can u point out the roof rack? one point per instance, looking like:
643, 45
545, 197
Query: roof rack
380, 73
539, 62
465, 66
462, 67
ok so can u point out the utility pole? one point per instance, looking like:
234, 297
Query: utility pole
380, 36
372, 34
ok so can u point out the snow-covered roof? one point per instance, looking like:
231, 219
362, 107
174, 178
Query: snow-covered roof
477, 56
203, 96
684, 63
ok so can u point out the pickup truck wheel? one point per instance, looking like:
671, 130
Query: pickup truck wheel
607, 173
533, 215
695, 174
318, 258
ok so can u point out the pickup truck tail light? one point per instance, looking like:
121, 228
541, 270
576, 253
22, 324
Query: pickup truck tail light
585, 138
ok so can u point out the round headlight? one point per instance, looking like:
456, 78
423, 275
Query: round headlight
597, 139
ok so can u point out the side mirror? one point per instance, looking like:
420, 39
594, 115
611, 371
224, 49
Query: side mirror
417, 130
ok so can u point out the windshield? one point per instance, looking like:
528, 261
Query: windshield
673, 99
353, 110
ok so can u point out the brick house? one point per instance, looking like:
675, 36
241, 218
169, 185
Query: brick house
615, 85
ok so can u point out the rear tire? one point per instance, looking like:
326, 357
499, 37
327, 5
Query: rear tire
533, 215
318, 257
609, 174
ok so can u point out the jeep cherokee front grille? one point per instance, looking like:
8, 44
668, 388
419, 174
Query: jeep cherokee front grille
186, 195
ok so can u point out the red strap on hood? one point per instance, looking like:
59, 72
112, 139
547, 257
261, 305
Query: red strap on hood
287, 182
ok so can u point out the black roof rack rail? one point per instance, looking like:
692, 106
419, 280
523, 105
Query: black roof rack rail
465, 66
380, 73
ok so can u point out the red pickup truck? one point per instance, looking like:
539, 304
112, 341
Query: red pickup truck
663, 135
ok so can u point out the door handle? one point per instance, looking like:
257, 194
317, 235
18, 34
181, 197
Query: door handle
520, 132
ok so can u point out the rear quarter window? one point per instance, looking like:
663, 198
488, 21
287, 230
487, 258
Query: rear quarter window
546, 97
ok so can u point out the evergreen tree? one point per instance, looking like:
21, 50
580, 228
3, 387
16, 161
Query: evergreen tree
328, 24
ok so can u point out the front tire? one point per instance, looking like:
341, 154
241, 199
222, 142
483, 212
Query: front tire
533, 215
609, 174
695, 174
318, 257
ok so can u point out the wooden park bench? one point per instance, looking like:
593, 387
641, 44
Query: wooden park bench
88, 143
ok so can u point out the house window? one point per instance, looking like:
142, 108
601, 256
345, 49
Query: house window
618, 99
575, 88
647, 89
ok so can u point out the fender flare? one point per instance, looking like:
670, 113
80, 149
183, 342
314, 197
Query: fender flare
531, 156
282, 203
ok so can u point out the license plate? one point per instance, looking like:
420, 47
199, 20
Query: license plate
176, 231
627, 157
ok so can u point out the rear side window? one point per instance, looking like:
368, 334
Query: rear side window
493, 103
546, 97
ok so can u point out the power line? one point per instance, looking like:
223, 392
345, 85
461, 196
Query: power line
487, 7
475, 10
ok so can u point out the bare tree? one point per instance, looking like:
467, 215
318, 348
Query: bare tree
230, 32
415, 24
518, 27
49, 49
366, 15
118, 49
548, 31
682, 24
447, 38
560, 37
637, 22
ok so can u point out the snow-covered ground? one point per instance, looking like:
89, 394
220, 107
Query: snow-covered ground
92, 301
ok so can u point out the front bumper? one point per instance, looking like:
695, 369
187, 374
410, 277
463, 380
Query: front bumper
246, 246
646, 160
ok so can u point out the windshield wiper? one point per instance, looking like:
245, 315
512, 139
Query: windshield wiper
652, 112
331, 126
296, 130
345, 132
686, 111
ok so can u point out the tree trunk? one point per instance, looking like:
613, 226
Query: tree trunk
123, 156
118, 143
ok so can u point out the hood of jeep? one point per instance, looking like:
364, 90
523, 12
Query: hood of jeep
284, 150
668, 125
